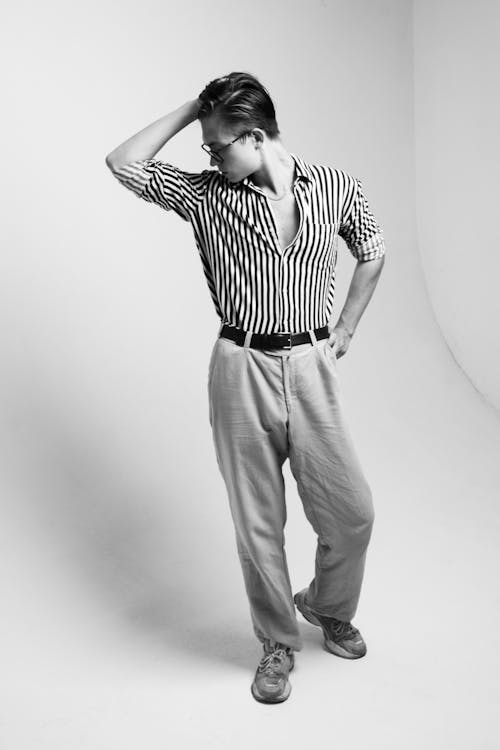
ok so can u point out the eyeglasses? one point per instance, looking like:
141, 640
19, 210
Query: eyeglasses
215, 154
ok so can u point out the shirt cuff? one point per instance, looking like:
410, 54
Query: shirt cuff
372, 249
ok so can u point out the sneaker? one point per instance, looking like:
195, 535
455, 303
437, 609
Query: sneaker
341, 638
270, 684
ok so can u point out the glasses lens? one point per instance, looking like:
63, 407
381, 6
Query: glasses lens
211, 153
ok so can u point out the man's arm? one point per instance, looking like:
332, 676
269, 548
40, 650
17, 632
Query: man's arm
147, 142
364, 280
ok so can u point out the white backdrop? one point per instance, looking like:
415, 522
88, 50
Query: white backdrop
124, 617
457, 117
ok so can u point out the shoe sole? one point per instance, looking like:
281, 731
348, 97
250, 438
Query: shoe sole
330, 646
272, 699
268, 699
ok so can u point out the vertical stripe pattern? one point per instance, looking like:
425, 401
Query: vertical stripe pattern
254, 283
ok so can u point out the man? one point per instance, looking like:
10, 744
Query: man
266, 225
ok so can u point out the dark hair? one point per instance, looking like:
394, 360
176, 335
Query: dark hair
239, 99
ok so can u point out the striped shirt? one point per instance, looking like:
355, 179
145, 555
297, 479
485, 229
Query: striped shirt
254, 283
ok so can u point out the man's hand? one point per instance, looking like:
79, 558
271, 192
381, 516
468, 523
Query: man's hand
364, 281
339, 339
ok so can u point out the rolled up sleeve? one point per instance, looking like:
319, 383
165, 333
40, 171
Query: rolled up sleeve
159, 182
359, 228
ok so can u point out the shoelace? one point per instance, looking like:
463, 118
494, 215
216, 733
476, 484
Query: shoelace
340, 628
273, 661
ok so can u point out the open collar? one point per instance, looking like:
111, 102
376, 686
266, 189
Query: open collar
303, 172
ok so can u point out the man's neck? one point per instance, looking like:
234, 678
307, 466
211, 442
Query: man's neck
277, 172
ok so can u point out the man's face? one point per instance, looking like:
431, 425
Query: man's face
238, 160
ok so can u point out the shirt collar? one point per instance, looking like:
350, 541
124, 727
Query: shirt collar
303, 172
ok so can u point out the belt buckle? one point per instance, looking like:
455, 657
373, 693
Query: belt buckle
289, 337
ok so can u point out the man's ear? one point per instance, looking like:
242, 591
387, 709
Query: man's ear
258, 136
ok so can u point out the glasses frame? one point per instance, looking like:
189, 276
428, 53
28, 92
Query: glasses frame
216, 154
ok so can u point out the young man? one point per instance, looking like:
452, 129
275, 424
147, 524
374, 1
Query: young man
266, 225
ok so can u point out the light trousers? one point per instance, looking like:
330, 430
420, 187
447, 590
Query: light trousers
266, 406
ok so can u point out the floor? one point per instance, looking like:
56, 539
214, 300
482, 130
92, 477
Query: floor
171, 664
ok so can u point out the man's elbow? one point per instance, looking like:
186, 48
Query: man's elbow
378, 264
117, 158
111, 162
375, 264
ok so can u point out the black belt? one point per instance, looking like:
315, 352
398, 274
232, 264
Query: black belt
271, 340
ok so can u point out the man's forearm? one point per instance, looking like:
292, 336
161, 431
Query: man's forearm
148, 141
363, 283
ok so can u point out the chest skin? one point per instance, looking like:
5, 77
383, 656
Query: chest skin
286, 215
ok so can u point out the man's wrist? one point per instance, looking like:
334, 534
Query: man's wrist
348, 327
